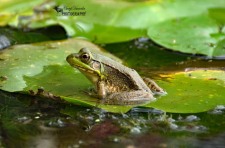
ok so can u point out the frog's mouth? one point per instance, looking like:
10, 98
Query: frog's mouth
74, 62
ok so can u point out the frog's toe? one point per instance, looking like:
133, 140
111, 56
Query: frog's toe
160, 93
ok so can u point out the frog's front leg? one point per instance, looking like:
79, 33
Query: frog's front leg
154, 87
101, 90
129, 98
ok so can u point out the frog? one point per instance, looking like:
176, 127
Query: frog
114, 83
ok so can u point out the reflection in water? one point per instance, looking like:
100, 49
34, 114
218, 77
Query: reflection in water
85, 127
46, 139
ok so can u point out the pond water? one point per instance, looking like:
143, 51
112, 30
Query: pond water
36, 122
47, 124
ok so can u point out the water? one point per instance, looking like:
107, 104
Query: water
60, 125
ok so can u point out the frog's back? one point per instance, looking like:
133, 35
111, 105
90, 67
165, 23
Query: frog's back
122, 77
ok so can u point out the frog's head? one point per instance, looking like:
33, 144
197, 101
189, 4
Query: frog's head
87, 63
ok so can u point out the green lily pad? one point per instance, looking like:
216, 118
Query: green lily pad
27, 68
70, 85
203, 36
29, 60
194, 91
218, 15
169, 23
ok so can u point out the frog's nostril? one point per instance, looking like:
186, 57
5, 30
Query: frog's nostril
69, 57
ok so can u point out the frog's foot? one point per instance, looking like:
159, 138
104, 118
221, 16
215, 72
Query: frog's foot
154, 87
128, 98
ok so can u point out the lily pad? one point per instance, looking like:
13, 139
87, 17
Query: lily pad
193, 91
70, 85
27, 68
169, 23
42, 66
203, 36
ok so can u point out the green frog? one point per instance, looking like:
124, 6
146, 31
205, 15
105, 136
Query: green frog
114, 83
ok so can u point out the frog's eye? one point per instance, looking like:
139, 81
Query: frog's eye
85, 57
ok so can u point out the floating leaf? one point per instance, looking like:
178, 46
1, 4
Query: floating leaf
193, 91
201, 37
27, 68
29, 60
169, 23
217, 14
